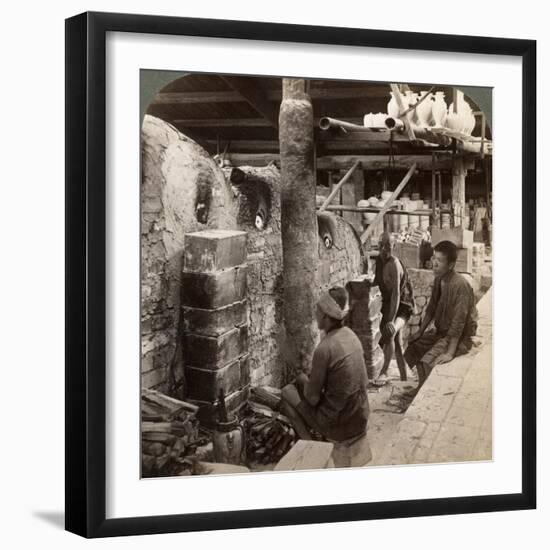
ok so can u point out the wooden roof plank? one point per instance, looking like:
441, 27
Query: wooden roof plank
255, 96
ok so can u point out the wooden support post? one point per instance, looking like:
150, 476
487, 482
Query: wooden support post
366, 234
486, 163
298, 223
338, 186
314, 157
433, 183
481, 114
353, 193
434, 208
439, 178
458, 201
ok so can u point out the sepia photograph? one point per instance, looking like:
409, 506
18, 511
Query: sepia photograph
316, 274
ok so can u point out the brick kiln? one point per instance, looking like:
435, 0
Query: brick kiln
182, 190
212, 271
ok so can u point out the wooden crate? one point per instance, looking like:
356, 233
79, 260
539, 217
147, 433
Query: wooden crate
464, 260
462, 238
409, 254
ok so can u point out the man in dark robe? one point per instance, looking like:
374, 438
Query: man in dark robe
333, 399
452, 308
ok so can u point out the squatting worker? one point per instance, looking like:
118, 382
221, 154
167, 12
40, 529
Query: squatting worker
452, 307
333, 399
397, 303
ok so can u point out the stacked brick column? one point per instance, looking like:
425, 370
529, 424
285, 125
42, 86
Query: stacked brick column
364, 320
215, 330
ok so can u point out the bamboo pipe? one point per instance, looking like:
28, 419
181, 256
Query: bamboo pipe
390, 123
326, 123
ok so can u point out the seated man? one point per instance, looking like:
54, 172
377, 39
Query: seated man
333, 399
452, 307
397, 303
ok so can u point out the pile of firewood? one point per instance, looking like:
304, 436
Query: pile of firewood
169, 433
269, 434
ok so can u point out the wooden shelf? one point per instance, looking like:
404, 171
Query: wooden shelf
345, 208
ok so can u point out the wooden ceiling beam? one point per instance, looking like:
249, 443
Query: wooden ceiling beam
229, 96
379, 162
238, 122
189, 98
239, 145
254, 159
255, 97
365, 92
222, 123
344, 162
381, 135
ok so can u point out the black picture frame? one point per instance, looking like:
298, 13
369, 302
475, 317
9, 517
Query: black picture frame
86, 273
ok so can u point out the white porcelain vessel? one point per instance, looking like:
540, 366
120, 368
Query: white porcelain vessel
439, 110
379, 120
424, 110
373, 200
368, 120
410, 99
469, 123
463, 113
393, 106
453, 121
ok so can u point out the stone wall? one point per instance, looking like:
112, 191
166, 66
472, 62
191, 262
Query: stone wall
422, 282
182, 190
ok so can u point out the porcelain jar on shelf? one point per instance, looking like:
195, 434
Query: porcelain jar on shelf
393, 106
424, 109
463, 119
469, 123
368, 120
453, 121
439, 110
410, 99
379, 120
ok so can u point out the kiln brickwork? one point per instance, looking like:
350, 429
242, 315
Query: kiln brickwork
258, 193
343, 261
182, 190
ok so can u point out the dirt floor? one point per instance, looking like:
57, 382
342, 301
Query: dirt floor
388, 404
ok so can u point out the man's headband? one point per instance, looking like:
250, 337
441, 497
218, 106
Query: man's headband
329, 307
